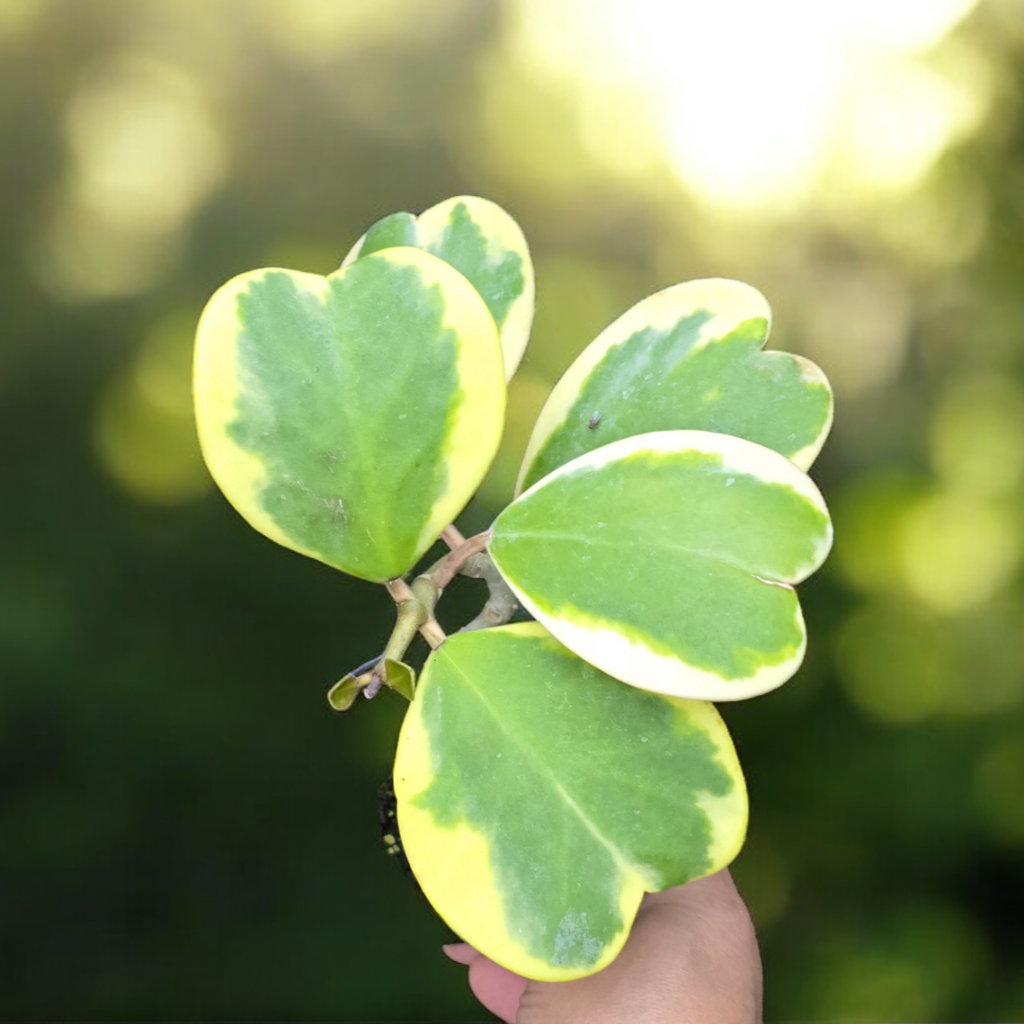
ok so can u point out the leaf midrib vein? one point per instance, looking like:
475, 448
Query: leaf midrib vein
662, 545
621, 862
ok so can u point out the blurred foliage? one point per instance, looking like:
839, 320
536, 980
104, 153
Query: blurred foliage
188, 832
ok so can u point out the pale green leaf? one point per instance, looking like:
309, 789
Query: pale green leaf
686, 358
350, 417
667, 560
483, 243
538, 799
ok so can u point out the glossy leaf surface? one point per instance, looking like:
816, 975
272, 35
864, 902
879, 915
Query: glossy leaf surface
483, 243
687, 358
667, 560
538, 798
350, 417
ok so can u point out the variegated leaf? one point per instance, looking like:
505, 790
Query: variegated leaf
667, 560
538, 799
350, 417
483, 243
686, 358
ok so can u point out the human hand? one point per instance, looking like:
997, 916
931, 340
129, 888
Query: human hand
691, 958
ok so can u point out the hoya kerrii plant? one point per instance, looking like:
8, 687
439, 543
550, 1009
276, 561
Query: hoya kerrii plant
548, 772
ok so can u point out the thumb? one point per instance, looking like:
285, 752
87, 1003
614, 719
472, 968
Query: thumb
691, 956
496, 987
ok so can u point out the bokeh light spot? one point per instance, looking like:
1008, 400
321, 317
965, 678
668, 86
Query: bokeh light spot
144, 144
895, 663
869, 517
908, 964
956, 551
80, 257
145, 433
145, 151
977, 435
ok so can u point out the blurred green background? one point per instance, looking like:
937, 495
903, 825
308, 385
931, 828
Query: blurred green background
186, 831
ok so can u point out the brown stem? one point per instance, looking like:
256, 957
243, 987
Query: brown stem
452, 537
399, 590
415, 604
427, 593
432, 632
501, 601
448, 568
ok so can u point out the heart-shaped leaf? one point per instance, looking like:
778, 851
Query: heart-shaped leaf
350, 417
666, 561
687, 358
538, 799
480, 240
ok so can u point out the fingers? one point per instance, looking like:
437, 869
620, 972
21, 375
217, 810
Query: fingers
460, 952
496, 987
692, 955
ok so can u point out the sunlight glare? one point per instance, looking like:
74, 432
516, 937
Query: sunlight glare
753, 98
900, 116
903, 25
